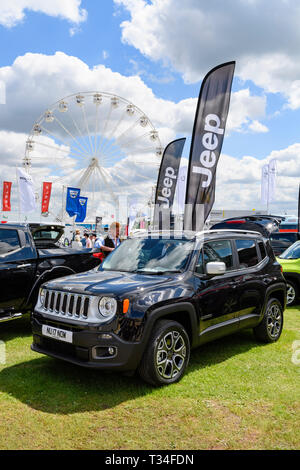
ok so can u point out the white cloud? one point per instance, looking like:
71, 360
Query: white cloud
245, 108
239, 181
263, 40
2, 92
12, 12
257, 126
34, 81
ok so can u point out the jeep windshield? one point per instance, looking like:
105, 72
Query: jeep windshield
293, 252
150, 256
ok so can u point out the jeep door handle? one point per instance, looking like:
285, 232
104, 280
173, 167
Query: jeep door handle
23, 265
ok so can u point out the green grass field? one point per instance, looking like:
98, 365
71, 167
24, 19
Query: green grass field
236, 394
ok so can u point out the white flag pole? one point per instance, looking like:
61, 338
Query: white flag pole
17, 181
264, 185
63, 205
268, 193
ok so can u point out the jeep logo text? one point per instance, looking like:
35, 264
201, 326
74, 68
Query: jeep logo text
210, 143
166, 192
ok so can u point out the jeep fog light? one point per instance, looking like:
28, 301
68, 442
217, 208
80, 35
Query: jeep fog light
42, 296
107, 306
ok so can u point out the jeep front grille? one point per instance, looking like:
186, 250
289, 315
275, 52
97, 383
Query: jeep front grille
66, 304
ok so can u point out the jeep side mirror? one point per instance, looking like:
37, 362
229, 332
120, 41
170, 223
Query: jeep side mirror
216, 267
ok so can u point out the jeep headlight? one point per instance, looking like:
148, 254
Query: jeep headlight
107, 306
42, 296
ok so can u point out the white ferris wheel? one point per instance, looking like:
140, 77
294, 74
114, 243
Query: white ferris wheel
98, 142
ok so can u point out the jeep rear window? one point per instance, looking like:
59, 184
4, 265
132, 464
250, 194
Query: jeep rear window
247, 253
262, 250
9, 241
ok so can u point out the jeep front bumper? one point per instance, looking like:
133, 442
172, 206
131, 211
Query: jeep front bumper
89, 348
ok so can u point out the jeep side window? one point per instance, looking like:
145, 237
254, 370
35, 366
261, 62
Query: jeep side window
262, 250
9, 241
247, 253
218, 250
204, 257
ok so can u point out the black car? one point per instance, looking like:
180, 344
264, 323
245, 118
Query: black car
282, 240
159, 295
264, 224
29, 256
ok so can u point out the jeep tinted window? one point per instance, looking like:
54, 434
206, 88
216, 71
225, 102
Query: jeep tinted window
204, 258
9, 241
247, 253
218, 250
262, 250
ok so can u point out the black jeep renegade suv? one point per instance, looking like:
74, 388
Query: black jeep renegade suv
159, 295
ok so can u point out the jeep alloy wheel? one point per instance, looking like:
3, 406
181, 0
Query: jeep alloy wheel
274, 320
167, 354
171, 354
290, 293
269, 330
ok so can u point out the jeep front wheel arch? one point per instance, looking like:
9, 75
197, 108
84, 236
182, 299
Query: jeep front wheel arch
270, 328
167, 354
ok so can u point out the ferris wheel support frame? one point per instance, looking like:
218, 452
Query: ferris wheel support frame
102, 147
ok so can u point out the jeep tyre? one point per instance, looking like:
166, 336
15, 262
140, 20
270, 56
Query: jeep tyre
269, 329
291, 292
167, 354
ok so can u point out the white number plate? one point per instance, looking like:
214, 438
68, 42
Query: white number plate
57, 333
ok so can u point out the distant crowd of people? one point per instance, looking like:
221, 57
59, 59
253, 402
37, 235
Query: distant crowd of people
106, 242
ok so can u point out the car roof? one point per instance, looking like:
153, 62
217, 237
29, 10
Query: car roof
221, 233
14, 226
207, 234
255, 218
31, 225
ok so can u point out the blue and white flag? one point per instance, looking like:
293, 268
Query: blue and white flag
82, 206
72, 205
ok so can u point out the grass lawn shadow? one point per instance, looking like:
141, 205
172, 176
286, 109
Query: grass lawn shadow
19, 328
222, 349
54, 386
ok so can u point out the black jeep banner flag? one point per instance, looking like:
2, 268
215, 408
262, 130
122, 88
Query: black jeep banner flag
207, 140
167, 178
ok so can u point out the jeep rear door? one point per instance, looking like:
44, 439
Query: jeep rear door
251, 259
216, 296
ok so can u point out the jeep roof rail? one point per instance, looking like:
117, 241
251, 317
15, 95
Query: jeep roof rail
231, 230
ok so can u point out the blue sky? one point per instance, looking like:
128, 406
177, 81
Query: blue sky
168, 46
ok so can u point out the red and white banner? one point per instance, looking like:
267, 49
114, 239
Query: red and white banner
46, 196
6, 196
